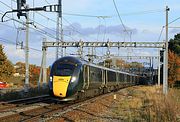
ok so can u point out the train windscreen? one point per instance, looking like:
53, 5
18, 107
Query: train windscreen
64, 70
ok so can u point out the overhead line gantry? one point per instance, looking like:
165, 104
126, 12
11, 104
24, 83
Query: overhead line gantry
105, 44
109, 44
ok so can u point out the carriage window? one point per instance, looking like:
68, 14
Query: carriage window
125, 78
111, 76
121, 77
95, 74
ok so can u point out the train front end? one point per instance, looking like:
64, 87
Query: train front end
64, 79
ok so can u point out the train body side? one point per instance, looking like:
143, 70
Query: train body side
71, 78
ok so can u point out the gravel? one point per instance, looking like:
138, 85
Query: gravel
126, 107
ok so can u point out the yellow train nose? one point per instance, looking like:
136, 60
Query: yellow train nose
60, 85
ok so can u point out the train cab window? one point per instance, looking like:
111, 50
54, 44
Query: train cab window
64, 70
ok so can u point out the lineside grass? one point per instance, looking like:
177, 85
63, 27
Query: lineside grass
147, 103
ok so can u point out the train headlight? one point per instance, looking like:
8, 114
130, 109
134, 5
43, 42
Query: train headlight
50, 79
73, 79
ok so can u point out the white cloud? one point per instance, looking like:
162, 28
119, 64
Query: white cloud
12, 52
15, 55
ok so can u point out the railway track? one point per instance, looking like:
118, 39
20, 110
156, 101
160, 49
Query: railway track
44, 111
9, 105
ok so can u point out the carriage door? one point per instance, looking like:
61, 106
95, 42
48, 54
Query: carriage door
117, 77
106, 77
86, 77
103, 77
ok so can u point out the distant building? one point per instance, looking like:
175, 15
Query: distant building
16, 74
16, 66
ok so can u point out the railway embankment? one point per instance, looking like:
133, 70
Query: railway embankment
15, 94
138, 103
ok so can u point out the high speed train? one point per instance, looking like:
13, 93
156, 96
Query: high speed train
72, 78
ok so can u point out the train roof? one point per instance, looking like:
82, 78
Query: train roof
84, 62
69, 59
105, 68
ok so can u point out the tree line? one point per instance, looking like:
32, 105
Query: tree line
174, 60
8, 69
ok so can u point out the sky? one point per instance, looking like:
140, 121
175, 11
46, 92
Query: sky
143, 20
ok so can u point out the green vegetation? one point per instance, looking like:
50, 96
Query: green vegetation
34, 72
15, 74
6, 67
174, 61
174, 44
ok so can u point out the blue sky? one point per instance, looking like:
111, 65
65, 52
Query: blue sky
143, 18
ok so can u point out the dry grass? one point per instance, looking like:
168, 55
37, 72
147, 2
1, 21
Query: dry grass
165, 108
149, 104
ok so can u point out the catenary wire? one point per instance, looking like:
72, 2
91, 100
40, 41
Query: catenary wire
10, 42
40, 30
120, 17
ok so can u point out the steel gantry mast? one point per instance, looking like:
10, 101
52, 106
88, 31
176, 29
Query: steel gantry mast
59, 29
165, 74
27, 52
